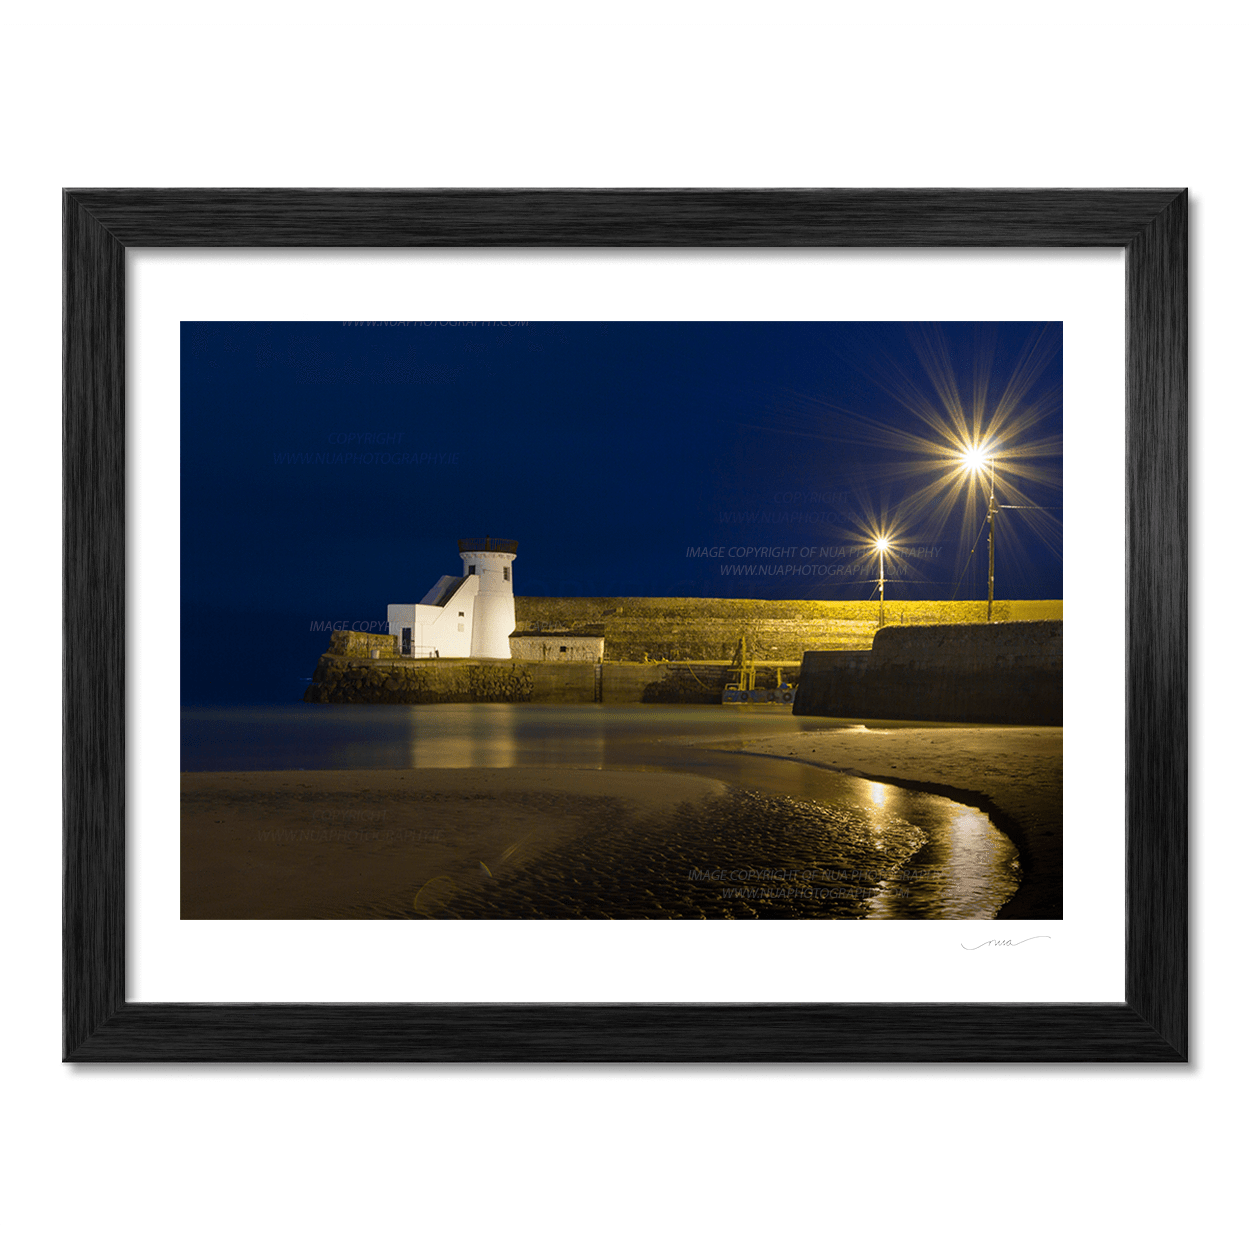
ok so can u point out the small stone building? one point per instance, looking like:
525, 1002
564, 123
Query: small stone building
574, 648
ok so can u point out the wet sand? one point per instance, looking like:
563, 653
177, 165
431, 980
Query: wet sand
523, 843
1015, 774
314, 844
601, 842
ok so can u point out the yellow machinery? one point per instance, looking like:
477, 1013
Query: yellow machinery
741, 685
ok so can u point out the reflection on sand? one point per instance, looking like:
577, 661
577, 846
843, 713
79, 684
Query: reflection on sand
966, 869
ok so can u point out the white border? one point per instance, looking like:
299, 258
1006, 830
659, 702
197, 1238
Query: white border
173, 960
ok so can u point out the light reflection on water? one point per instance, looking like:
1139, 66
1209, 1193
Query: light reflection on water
967, 868
456, 735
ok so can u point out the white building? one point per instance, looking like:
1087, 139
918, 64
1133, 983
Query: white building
470, 615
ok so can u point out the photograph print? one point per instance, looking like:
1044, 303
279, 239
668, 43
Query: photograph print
621, 620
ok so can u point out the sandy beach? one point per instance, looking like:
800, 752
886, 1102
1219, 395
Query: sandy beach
550, 842
1015, 774
343, 843
523, 843
545, 843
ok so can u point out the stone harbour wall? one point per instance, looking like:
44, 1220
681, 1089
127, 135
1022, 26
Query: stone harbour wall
993, 648
353, 642
1000, 674
351, 679
564, 648
931, 666
341, 679
775, 630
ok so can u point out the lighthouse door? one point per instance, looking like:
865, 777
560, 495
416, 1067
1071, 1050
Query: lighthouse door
405, 646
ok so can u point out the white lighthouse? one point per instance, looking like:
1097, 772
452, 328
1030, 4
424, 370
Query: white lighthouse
467, 616
494, 612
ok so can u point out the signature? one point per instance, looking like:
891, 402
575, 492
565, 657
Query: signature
1005, 942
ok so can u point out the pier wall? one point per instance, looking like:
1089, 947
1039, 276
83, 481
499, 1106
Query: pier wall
679, 651
1003, 674
353, 642
359, 679
635, 629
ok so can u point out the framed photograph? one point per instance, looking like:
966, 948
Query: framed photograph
478, 743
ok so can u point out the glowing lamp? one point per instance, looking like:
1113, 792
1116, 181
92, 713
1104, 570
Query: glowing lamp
882, 545
975, 458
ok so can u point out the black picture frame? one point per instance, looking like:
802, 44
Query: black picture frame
1149, 1025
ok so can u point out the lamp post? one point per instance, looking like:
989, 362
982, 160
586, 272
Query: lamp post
975, 459
883, 545
989, 603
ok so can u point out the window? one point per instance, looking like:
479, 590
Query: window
472, 569
564, 648
507, 573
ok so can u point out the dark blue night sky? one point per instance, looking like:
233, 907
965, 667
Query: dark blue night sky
608, 451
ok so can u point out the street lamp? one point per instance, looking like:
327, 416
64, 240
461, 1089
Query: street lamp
882, 545
975, 460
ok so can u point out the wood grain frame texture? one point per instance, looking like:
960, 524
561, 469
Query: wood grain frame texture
1150, 1025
